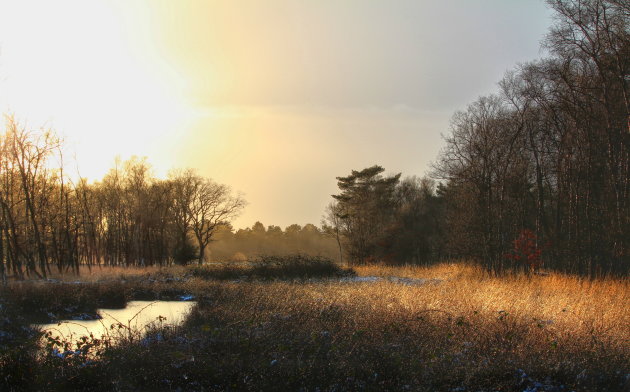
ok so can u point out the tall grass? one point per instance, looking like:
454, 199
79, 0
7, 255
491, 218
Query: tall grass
470, 332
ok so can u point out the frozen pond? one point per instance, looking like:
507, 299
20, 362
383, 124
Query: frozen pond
137, 317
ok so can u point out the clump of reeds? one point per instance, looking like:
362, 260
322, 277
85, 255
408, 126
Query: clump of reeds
296, 266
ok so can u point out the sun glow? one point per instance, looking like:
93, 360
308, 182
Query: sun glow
90, 71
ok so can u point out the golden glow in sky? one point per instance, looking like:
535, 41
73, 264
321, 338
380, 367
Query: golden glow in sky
275, 98
88, 70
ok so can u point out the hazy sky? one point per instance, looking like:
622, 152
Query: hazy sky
275, 98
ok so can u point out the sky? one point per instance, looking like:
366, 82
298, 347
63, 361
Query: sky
275, 98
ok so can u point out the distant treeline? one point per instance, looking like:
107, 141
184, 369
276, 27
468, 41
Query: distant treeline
538, 172
128, 218
249, 243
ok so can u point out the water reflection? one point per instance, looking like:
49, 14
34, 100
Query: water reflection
138, 316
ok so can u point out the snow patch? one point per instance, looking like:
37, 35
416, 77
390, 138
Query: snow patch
393, 279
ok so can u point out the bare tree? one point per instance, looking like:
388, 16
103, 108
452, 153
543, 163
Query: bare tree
212, 205
201, 206
29, 152
332, 220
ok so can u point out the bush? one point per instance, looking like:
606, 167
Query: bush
526, 252
295, 266
184, 253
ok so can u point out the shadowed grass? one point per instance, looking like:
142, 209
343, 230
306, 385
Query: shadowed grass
44, 301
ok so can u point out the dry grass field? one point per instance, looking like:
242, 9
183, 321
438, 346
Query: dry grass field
449, 327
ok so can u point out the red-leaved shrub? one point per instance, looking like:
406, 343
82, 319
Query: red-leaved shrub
526, 251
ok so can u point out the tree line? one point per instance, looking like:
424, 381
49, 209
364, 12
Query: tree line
258, 240
47, 220
543, 162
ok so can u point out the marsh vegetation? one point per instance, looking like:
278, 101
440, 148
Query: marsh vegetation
467, 330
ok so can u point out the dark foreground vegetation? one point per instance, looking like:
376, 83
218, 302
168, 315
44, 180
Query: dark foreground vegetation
465, 331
